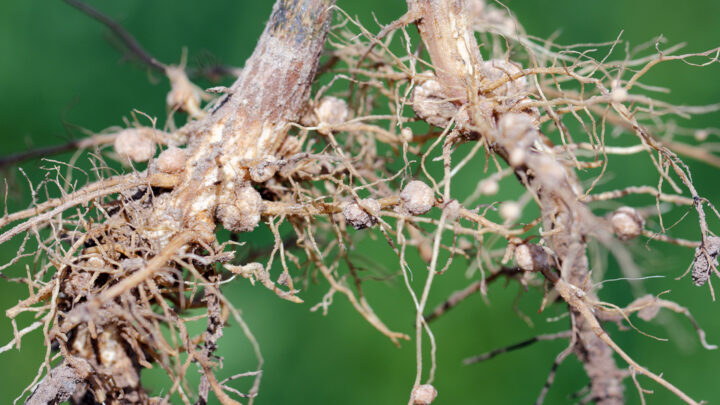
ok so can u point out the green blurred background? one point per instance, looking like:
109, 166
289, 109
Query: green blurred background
58, 73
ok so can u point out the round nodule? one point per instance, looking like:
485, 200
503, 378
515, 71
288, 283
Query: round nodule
243, 214
361, 217
627, 223
172, 160
332, 111
423, 394
531, 257
135, 145
417, 198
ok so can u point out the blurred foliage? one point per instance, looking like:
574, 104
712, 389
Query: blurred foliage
60, 77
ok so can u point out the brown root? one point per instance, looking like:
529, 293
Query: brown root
124, 266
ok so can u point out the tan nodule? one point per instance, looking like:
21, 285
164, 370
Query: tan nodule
417, 198
423, 395
627, 223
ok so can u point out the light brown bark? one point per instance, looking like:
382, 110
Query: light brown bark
250, 123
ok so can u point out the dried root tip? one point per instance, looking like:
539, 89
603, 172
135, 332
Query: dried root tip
240, 213
423, 394
417, 198
331, 111
361, 217
627, 223
172, 160
135, 144
702, 268
531, 257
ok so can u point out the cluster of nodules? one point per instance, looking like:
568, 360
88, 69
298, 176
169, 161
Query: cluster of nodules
417, 198
433, 102
140, 145
503, 112
626, 222
239, 209
109, 354
108, 350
